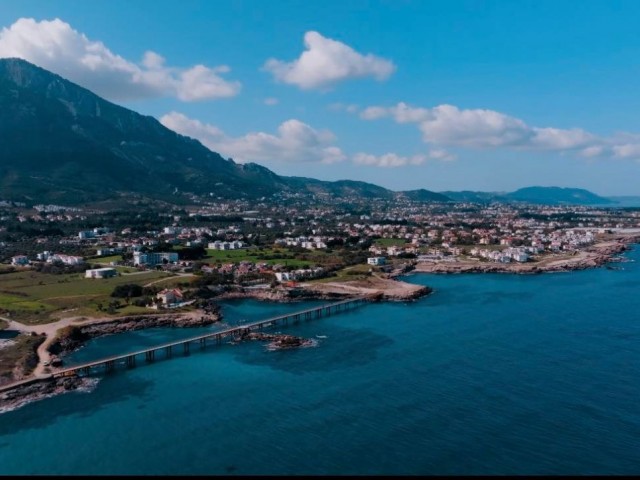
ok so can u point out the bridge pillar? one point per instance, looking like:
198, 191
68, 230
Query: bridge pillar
131, 361
168, 351
185, 347
110, 365
86, 370
203, 342
218, 339
150, 355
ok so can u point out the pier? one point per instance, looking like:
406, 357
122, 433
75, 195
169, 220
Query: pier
167, 350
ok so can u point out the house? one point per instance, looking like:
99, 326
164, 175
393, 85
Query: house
66, 259
170, 296
100, 273
376, 260
154, 258
20, 260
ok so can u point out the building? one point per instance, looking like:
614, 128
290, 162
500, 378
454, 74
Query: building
170, 296
376, 260
100, 273
20, 260
154, 258
218, 245
66, 259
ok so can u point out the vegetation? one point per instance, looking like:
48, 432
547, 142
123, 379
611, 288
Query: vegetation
388, 242
34, 297
19, 358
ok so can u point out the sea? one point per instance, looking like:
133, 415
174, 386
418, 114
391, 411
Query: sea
494, 374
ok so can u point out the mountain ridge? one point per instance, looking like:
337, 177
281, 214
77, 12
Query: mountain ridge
61, 143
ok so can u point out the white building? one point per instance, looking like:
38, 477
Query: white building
218, 245
20, 260
66, 259
100, 273
376, 260
154, 258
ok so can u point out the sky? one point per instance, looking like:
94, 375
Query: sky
442, 95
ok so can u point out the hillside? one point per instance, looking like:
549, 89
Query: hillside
59, 142
557, 196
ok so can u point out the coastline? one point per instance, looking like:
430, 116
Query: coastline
72, 335
594, 256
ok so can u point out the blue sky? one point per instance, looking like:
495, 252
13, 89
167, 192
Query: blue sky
443, 95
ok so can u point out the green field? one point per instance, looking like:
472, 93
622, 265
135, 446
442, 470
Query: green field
107, 260
256, 256
33, 297
355, 272
388, 242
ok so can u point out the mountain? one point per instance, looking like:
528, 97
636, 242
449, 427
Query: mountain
557, 196
423, 195
475, 197
630, 201
61, 143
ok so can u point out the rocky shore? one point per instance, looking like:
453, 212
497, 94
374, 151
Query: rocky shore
374, 287
40, 389
73, 337
592, 257
277, 341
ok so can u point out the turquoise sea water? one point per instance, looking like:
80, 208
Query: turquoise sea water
491, 374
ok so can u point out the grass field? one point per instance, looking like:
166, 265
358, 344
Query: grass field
107, 260
34, 297
256, 256
355, 272
388, 242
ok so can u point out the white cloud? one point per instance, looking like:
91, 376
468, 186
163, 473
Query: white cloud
559, 139
56, 46
295, 141
374, 113
395, 160
627, 150
326, 62
343, 107
440, 154
271, 101
448, 125
593, 151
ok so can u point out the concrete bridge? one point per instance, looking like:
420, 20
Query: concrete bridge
129, 360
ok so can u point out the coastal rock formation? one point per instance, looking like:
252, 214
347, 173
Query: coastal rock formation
278, 341
374, 287
39, 389
73, 337
594, 256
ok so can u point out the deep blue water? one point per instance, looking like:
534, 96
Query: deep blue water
491, 374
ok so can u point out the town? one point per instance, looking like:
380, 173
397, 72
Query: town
182, 255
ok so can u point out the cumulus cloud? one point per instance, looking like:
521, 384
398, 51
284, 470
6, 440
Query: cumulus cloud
395, 160
326, 62
627, 150
343, 107
56, 46
294, 141
448, 125
271, 101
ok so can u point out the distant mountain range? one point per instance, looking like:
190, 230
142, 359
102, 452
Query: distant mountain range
536, 195
61, 143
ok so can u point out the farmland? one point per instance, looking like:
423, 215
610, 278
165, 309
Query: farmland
35, 298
